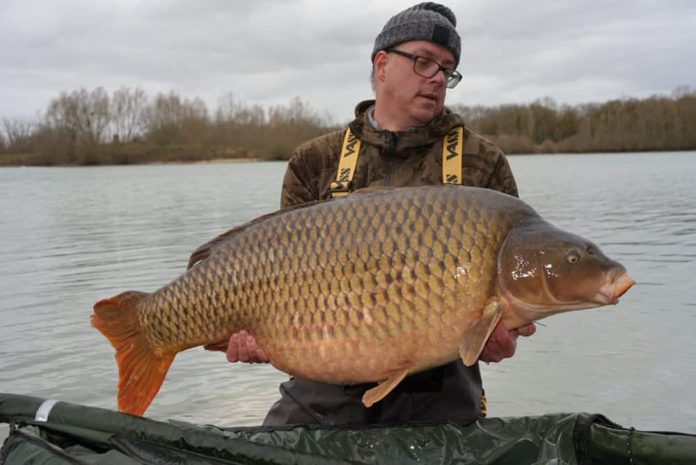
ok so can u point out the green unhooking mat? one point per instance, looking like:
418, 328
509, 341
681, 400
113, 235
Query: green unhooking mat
49, 432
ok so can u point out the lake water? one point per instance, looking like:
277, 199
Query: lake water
71, 236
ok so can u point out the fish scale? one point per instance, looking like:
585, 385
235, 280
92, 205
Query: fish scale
370, 287
405, 317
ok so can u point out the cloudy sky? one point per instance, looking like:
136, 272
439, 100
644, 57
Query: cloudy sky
268, 51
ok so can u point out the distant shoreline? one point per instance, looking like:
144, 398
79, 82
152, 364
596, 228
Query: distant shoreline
211, 161
29, 159
25, 160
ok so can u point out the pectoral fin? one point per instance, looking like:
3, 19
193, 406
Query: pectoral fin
479, 331
380, 391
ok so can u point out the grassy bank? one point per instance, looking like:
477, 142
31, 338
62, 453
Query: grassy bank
135, 154
132, 154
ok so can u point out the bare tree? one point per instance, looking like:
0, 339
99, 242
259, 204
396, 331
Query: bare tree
173, 120
128, 113
82, 115
237, 113
18, 132
296, 112
97, 115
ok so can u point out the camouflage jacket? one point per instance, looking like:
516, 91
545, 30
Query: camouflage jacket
408, 158
451, 392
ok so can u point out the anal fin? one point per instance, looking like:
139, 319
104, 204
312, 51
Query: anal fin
380, 391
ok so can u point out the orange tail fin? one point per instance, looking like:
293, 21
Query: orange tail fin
141, 367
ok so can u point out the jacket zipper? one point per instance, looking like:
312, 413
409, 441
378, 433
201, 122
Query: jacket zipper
391, 150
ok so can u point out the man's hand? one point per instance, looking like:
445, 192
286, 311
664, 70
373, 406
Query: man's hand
502, 343
240, 348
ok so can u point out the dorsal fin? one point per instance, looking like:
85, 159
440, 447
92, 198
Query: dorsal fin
207, 249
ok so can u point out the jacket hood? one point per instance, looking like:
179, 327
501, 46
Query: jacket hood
415, 137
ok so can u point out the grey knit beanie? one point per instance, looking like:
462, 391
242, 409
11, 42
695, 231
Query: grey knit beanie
426, 21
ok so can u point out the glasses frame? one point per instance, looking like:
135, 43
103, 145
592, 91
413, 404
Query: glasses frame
452, 76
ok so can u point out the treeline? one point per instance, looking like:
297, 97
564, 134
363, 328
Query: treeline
628, 125
92, 127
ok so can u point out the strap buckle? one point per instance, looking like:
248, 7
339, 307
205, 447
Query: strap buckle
340, 188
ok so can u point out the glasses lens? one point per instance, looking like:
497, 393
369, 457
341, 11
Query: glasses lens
428, 68
453, 79
425, 67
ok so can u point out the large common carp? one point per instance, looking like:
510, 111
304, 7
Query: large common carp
371, 287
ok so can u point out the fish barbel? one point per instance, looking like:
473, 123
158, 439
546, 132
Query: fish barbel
371, 287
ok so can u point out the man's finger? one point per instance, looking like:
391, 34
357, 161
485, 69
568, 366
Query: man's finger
506, 347
504, 340
244, 349
492, 350
527, 330
233, 348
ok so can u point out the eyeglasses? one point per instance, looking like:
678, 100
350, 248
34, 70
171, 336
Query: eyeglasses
428, 68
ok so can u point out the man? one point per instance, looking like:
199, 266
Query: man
401, 134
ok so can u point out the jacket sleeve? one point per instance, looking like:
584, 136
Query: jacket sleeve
304, 180
502, 179
488, 164
297, 187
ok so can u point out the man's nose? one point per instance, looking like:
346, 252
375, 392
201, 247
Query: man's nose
440, 77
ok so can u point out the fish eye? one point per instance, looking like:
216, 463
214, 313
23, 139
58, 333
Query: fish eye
573, 257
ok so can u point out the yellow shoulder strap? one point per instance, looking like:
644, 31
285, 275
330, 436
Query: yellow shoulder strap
346, 166
452, 148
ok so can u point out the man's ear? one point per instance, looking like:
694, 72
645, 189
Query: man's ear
379, 65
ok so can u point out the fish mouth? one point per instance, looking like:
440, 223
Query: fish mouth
614, 288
